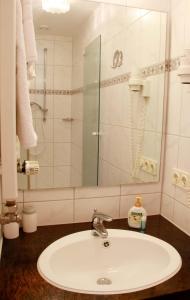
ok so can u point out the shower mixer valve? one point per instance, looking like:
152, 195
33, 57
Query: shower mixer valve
28, 167
10, 214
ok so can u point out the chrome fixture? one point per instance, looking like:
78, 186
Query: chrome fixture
97, 223
28, 167
39, 106
45, 87
68, 119
11, 213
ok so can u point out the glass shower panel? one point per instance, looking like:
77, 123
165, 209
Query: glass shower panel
91, 112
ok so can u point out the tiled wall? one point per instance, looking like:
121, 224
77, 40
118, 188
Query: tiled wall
126, 29
174, 202
77, 205
122, 121
54, 134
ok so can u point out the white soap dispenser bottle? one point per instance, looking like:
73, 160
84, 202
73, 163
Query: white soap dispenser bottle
137, 215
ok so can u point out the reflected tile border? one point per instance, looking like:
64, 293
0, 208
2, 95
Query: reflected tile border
50, 92
156, 69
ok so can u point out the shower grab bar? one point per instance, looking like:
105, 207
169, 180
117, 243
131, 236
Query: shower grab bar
68, 119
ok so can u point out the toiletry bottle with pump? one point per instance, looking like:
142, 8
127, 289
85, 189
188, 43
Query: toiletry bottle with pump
137, 215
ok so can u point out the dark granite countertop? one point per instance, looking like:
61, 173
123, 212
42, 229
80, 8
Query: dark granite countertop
19, 278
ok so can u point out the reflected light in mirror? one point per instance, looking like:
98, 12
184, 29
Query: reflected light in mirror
56, 6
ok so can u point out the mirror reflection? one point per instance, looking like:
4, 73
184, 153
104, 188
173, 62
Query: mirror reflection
97, 99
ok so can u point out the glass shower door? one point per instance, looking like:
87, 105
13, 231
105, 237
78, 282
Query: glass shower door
91, 112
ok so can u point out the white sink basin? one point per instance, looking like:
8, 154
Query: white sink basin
133, 261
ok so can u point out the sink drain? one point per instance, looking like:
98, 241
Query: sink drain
104, 281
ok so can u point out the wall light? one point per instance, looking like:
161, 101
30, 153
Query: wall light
56, 6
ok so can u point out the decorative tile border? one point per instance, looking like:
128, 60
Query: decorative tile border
174, 63
115, 80
155, 69
77, 91
50, 92
152, 70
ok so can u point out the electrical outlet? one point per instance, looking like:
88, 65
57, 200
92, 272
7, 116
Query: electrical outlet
181, 179
148, 165
175, 177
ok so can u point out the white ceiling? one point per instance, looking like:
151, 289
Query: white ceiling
62, 24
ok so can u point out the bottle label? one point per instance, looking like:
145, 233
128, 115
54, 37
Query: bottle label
136, 213
135, 219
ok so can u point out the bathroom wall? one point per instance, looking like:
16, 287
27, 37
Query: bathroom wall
123, 121
77, 204
54, 134
175, 201
63, 206
126, 29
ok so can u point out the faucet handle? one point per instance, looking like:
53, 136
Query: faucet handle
101, 216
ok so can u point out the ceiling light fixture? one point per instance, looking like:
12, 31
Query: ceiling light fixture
56, 6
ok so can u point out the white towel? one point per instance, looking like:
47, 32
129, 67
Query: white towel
31, 70
17, 149
25, 129
29, 37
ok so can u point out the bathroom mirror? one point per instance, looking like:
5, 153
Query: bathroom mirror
98, 96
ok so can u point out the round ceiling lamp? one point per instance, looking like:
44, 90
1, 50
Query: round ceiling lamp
56, 6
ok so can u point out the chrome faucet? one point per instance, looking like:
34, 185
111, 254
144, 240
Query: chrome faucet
97, 224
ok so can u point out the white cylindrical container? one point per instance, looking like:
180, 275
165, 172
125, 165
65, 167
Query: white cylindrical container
29, 219
11, 230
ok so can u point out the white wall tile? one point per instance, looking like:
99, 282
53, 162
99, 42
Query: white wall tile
62, 78
20, 196
84, 208
150, 4
43, 153
39, 82
44, 130
181, 217
61, 131
54, 212
45, 178
62, 176
62, 53
167, 207
48, 195
185, 108
171, 161
187, 25
62, 154
134, 189
96, 192
183, 155
62, 106
174, 105
178, 28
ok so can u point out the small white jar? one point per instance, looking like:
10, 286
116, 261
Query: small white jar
29, 219
11, 230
